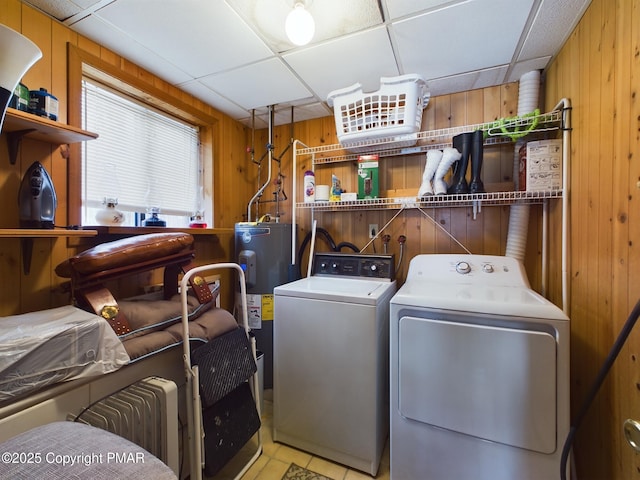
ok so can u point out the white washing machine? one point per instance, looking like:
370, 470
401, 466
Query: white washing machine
479, 373
331, 359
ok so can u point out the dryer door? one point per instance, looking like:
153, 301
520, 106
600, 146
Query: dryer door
493, 383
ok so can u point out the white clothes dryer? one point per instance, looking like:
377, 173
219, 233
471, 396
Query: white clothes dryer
479, 372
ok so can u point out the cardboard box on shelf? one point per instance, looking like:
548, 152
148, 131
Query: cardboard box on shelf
348, 196
544, 166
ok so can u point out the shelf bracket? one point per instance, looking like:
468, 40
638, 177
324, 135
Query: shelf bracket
13, 142
26, 244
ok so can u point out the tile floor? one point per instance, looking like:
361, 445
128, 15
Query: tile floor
276, 457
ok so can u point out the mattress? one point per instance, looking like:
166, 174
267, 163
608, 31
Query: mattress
43, 348
50, 346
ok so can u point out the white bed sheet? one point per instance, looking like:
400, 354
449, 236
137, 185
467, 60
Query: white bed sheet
50, 346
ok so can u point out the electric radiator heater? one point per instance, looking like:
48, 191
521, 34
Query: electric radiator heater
145, 413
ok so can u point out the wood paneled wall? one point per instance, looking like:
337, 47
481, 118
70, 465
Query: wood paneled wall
599, 70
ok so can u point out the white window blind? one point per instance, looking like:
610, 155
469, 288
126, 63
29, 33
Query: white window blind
142, 157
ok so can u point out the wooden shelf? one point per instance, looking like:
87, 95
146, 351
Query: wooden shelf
44, 233
105, 230
44, 129
19, 124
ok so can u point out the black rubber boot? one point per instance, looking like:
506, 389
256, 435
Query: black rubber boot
462, 143
477, 149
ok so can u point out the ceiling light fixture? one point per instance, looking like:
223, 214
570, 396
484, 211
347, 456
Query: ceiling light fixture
299, 25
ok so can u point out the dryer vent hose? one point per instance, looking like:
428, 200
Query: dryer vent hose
528, 93
604, 370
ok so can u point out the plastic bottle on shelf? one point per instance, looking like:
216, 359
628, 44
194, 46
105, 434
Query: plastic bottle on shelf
309, 186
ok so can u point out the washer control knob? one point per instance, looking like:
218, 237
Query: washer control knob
487, 268
374, 267
463, 268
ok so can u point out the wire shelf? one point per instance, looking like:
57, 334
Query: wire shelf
435, 201
435, 139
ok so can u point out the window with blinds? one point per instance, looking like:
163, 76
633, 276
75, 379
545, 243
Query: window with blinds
143, 158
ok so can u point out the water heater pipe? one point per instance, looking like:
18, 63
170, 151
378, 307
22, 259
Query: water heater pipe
296, 144
269, 161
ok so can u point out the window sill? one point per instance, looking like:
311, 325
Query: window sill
103, 230
108, 234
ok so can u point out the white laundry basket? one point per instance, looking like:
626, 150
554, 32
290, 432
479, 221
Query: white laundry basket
394, 112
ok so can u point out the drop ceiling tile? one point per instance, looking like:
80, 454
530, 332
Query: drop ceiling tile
84, 4
304, 109
314, 110
468, 81
332, 18
259, 84
363, 57
551, 27
208, 96
104, 34
401, 8
461, 38
302, 112
199, 37
282, 114
59, 9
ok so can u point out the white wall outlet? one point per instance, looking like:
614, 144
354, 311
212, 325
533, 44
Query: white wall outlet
373, 230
